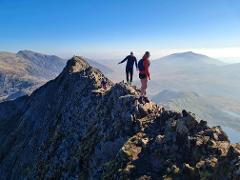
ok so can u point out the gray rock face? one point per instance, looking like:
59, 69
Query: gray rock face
71, 129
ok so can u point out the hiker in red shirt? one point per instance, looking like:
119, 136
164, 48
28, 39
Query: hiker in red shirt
144, 74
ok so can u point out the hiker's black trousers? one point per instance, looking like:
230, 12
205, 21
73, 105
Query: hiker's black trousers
129, 74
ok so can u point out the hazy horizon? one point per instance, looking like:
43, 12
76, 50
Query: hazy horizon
138, 54
110, 29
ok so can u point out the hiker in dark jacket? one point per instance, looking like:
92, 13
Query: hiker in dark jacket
131, 59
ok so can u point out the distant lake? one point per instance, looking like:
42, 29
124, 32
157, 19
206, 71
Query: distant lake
233, 135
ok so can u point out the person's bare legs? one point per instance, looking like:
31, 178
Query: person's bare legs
144, 83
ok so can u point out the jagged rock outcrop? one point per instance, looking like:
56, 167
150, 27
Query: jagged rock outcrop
71, 129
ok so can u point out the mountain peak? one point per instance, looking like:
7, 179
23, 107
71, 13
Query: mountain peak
27, 53
70, 128
78, 71
76, 64
189, 53
189, 57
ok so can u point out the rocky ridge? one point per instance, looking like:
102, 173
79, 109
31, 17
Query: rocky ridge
25, 71
71, 129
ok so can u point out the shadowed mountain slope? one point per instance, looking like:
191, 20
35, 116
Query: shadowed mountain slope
71, 129
25, 71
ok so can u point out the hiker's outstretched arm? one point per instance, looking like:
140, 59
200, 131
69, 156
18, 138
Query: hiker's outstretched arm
123, 60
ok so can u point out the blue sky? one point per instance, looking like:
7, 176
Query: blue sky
104, 28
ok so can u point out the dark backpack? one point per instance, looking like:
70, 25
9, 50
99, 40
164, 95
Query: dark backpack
141, 65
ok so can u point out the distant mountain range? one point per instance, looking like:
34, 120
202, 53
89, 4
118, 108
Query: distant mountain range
41, 65
25, 71
189, 58
72, 129
199, 83
105, 69
195, 78
189, 71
